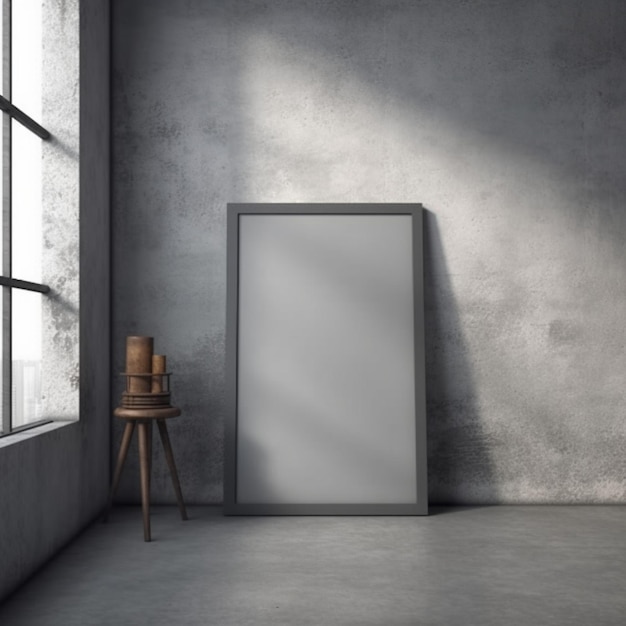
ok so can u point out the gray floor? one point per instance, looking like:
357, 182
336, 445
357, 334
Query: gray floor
490, 565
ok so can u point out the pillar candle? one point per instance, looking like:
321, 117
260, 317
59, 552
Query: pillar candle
158, 367
139, 361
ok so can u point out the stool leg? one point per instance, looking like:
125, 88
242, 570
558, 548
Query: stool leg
169, 455
144, 465
121, 459
149, 433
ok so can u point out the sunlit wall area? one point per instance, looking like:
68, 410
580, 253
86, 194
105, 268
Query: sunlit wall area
507, 120
60, 209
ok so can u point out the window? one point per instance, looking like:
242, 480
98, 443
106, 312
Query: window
21, 243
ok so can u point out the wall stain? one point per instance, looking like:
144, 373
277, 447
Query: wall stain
563, 332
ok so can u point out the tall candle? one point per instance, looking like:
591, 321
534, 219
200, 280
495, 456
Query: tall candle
158, 367
139, 361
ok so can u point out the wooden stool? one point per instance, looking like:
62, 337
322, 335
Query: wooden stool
144, 419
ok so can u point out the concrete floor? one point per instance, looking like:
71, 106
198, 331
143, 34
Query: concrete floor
499, 565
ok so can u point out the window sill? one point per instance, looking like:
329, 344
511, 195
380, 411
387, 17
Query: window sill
14, 438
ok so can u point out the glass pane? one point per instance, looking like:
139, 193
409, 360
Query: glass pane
2, 55
26, 56
3, 120
26, 224
2, 166
2, 48
2, 420
26, 337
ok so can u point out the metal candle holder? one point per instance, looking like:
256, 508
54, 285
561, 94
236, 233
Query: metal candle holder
150, 399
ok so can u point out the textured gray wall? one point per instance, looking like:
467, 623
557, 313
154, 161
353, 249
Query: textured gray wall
54, 482
506, 119
60, 212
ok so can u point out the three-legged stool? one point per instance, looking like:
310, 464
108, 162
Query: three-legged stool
143, 420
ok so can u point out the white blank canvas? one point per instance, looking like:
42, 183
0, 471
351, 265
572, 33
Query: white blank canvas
326, 361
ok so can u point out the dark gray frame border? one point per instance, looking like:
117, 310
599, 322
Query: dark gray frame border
231, 506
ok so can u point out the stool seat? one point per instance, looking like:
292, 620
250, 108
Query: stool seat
156, 413
143, 420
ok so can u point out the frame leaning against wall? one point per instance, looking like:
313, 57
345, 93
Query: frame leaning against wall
272, 249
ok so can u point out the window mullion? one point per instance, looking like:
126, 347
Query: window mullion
22, 118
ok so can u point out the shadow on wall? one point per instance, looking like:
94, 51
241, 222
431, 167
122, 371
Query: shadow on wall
458, 450
461, 470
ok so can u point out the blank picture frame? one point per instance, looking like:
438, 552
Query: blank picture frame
325, 374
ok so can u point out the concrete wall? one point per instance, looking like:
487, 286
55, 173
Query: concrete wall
55, 478
506, 119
